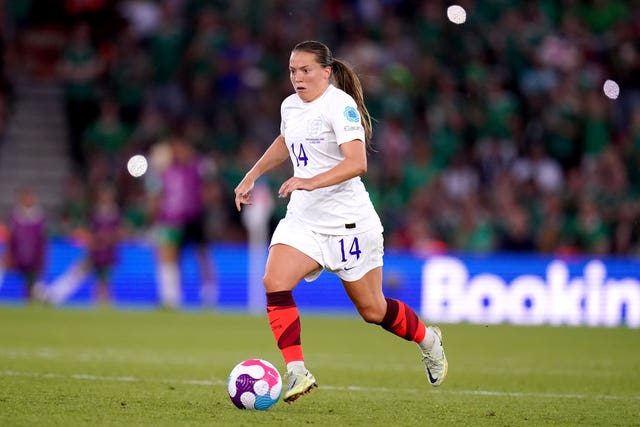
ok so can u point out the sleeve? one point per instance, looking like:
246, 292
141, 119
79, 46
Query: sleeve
345, 120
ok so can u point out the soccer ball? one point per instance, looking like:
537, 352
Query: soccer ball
254, 384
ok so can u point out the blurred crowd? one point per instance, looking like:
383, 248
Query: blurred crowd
492, 135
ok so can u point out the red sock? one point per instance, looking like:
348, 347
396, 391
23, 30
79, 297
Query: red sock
285, 324
402, 321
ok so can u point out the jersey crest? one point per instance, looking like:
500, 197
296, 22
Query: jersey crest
314, 126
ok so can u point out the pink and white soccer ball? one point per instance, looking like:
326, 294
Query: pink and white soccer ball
254, 384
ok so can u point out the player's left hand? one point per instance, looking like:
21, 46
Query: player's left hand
294, 183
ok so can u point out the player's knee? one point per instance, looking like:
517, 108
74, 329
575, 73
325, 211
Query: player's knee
274, 283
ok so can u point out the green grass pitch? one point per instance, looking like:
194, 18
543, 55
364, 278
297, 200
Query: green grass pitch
72, 367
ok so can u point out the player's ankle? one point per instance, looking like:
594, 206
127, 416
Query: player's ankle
427, 342
297, 367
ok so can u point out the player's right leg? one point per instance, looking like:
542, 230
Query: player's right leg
286, 267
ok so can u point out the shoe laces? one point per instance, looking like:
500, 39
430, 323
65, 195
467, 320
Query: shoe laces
429, 359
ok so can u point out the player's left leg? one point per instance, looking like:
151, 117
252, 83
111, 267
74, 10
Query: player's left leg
398, 318
168, 270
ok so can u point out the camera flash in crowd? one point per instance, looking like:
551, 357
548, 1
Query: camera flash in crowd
456, 14
611, 89
137, 165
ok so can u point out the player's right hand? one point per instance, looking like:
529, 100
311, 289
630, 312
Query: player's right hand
243, 193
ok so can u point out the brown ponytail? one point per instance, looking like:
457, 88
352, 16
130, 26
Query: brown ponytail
344, 77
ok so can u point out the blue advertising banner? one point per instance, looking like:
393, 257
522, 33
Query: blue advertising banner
531, 290
496, 288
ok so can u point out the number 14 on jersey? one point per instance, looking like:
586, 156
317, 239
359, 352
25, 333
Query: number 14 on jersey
300, 156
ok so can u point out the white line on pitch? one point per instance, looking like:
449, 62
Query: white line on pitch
149, 357
219, 382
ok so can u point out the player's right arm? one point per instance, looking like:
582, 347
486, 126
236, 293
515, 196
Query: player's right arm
273, 157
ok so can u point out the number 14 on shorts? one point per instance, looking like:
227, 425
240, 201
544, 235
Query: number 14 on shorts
354, 248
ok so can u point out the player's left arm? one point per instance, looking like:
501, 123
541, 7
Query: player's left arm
354, 164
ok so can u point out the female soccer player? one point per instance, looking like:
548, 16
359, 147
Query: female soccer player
181, 216
105, 226
27, 243
330, 222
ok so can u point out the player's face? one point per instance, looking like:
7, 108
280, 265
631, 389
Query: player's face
308, 77
27, 199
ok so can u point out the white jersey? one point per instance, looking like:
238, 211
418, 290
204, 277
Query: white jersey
313, 132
